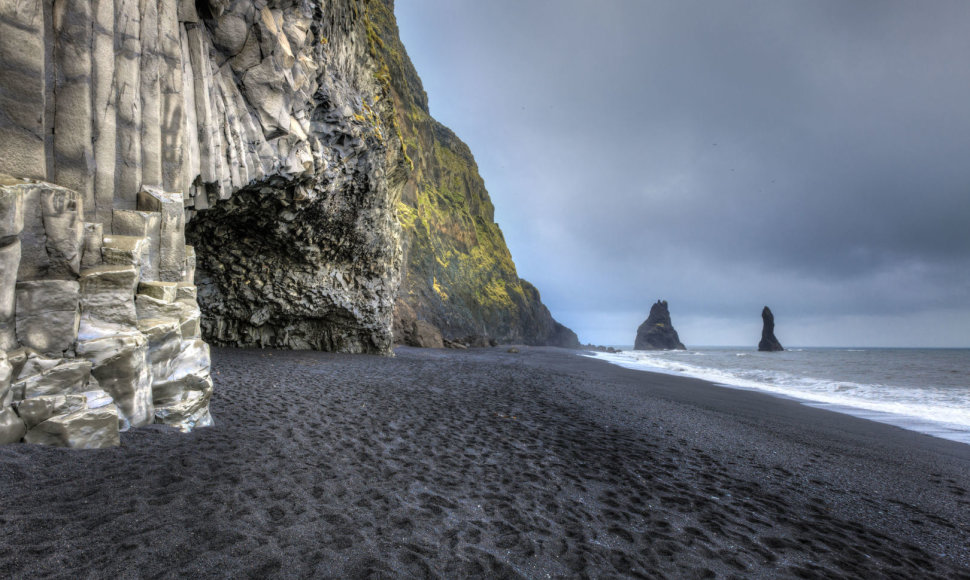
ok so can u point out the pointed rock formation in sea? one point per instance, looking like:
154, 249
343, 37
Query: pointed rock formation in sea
768, 341
657, 332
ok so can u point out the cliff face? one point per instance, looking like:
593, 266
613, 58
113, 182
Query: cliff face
307, 253
262, 124
459, 273
271, 135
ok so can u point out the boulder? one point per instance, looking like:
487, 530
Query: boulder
39, 409
82, 429
164, 344
657, 331
12, 428
182, 398
426, 335
68, 376
121, 366
186, 311
768, 341
477, 341
27, 363
18, 360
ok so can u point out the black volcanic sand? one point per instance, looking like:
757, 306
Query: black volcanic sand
486, 463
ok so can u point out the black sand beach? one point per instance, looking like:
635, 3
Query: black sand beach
486, 463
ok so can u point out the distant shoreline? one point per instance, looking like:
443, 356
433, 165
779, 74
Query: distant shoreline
728, 378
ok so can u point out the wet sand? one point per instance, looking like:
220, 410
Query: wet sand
486, 463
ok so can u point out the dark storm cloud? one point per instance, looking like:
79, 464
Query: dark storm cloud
810, 155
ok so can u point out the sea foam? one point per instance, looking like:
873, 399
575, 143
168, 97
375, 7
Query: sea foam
910, 388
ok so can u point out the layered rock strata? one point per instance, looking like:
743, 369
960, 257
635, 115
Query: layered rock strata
768, 341
657, 331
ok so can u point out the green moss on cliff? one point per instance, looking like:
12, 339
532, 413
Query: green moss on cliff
460, 274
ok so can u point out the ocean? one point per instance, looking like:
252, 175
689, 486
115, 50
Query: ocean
925, 390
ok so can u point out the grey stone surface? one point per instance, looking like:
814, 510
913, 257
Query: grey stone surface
189, 277
12, 428
73, 151
48, 314
164, 291
6, 375
121, 366
182, 397
11, 207
186, 291
83, 429
52, 233
41, 408
18, 360
187, 414
27, 363
68, 376
104, 114
140, 224
127, 86
164, 344
169, 208
9, 263
107, 301
245, 119
128, 251
91, 245
23, 89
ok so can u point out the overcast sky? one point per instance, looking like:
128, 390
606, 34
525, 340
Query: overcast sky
723, 155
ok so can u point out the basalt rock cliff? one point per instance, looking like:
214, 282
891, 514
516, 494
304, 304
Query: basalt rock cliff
459, 274
255, 158
657, 331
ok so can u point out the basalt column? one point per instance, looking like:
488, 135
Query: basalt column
262, 130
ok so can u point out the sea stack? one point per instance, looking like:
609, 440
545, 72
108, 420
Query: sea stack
768, 341
657, 332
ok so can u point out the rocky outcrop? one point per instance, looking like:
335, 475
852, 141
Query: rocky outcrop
459, 276
233, 169
305, 251
263, 124
768, 341
657, 331
78, 308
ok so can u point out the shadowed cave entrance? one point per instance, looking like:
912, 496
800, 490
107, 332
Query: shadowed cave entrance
289, 265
